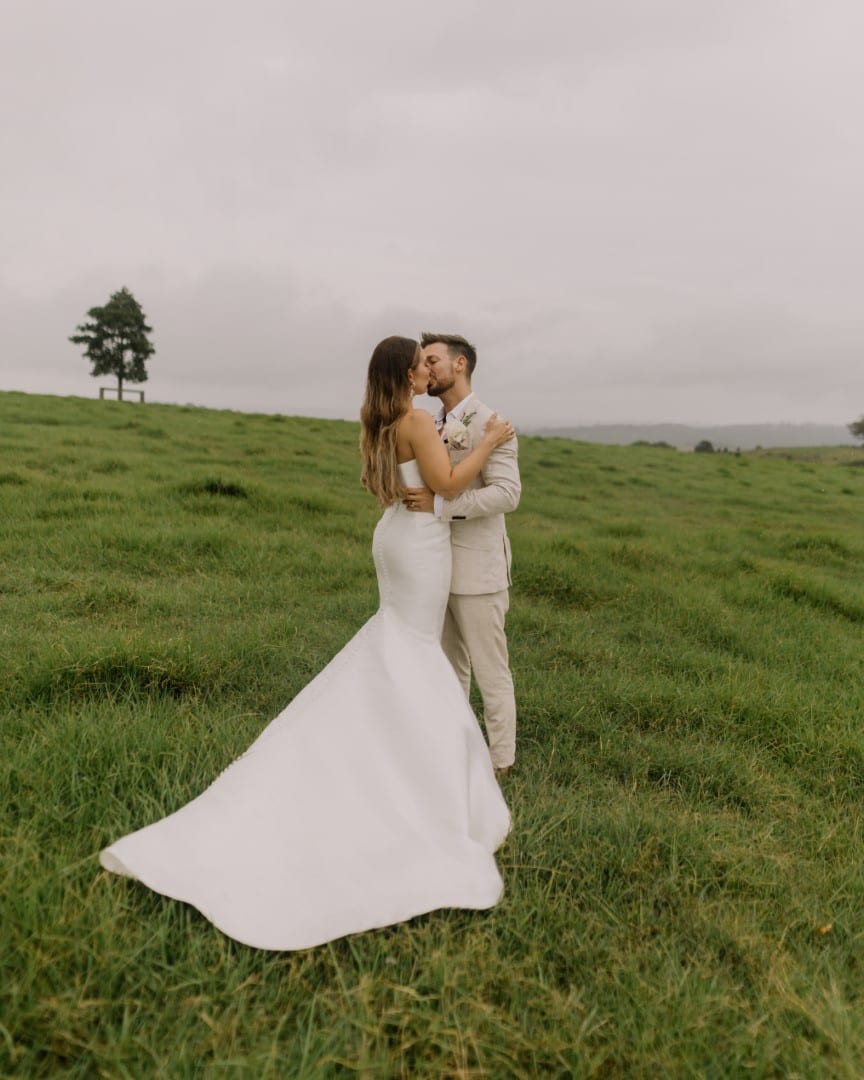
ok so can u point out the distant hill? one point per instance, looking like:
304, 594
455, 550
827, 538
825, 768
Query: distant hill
730, 436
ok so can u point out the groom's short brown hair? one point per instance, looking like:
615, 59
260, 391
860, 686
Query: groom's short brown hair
456, 344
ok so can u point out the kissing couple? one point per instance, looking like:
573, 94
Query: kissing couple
373, 797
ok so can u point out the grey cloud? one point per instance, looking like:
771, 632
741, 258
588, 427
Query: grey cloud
613, 197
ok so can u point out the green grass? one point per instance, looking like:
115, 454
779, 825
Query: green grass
684, 880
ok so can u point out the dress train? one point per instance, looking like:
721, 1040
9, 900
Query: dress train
370, 799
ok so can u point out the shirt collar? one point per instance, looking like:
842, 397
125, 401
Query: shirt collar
456, 412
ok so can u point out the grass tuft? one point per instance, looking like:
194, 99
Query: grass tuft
118, 678
217, 487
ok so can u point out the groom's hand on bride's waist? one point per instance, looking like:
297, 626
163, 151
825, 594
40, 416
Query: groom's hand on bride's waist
421, 500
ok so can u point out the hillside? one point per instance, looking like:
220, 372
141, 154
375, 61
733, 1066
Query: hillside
730, 436
683, 880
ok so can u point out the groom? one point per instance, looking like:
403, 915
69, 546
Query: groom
473, 636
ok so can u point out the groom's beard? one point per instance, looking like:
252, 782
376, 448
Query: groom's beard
436, 389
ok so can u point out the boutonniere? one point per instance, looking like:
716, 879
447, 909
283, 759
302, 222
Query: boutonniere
456, 433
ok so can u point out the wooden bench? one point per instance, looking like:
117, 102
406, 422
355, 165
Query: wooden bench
119, 391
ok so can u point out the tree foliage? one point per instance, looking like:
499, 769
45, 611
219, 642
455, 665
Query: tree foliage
856, 428
115, 339
704, 447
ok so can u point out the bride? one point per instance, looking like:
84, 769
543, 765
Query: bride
371, 798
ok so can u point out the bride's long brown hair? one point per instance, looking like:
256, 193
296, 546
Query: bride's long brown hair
388, 398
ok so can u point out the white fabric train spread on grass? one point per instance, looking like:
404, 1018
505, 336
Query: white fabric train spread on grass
370, 799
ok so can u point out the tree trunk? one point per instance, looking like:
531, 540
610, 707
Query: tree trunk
119, 387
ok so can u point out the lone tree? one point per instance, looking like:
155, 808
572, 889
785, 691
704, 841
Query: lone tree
856, 428
116, 339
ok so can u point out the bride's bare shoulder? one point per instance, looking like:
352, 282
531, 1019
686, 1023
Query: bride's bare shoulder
419, 419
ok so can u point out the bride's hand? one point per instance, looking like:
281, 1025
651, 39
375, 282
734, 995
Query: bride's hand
498, 431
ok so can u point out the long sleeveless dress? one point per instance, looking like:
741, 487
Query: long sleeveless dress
370, 799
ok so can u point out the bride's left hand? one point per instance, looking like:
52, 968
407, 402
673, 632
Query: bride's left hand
420, 499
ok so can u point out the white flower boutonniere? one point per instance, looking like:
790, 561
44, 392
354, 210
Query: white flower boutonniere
456, 433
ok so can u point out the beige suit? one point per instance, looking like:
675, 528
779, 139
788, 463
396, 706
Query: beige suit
474, 636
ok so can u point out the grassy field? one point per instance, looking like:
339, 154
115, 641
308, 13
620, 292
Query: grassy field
684, 880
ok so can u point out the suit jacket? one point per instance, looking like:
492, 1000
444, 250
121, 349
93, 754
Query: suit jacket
478, 535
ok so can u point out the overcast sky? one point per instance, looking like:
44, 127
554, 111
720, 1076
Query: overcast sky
638, 209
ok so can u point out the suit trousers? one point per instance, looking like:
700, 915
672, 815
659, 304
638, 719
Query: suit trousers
473, 638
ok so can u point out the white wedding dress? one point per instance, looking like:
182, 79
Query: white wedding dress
370, 799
